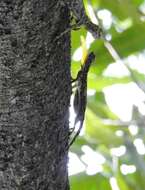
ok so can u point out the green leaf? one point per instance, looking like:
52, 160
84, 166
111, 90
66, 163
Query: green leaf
85, 182
75, 38
137, 2
121, 9
97, 104
135, 180
99, 82
121, 183
130, 41
100, 132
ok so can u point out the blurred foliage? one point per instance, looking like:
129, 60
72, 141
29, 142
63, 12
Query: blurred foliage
105, 132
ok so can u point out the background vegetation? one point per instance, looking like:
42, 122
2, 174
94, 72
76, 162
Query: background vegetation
110, 153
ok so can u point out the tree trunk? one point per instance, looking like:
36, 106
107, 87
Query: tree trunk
35, 89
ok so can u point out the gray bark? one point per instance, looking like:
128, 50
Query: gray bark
35, 89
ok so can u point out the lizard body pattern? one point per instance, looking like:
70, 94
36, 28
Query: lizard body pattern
80, 98
78, 12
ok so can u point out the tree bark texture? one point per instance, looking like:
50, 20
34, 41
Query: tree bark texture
35, 89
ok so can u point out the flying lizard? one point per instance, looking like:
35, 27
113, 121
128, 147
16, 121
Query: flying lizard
77, 9
80, 98
78, 13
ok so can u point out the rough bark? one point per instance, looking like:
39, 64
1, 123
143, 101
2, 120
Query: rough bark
35, 90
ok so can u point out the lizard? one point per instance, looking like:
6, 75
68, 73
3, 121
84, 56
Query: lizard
80, 98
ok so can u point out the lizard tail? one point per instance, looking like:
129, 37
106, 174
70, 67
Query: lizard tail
76, 134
